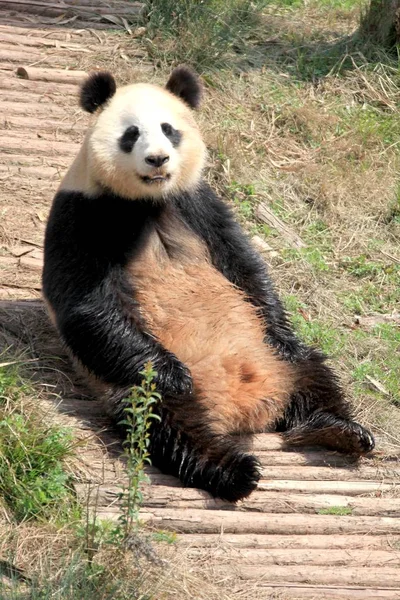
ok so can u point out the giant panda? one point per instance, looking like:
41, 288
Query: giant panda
143, 262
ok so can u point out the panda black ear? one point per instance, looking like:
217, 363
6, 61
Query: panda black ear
185, 84
96, 90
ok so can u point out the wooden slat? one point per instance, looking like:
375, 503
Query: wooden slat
36, 146
259, 501
12, 82
309, 458
55, 75
266, 441
387, 473
34, 161
288, 556
320, 592
43, 7
238, 522
32, 172
24, 40
12, 122
389, 576
348, 488
34, 109
17, 56
23, 95
300, 542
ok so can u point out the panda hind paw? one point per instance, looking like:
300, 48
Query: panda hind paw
241, 477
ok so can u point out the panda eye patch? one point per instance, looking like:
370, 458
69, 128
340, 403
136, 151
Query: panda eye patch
127, 141
172, 134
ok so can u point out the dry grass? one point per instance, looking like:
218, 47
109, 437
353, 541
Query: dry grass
52, 563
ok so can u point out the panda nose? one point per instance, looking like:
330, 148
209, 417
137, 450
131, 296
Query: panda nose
156, 161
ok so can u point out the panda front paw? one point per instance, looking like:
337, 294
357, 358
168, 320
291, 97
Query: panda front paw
174, 378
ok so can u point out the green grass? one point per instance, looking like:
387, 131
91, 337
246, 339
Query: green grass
377, 354
379, 351
33, 480
314, 331
340, 511
199, 33
311, 255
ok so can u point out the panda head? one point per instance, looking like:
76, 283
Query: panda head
145, 142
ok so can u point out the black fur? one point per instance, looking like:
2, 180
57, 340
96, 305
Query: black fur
129, 139
172, 134
232, 254
88, 245
185, 84
96, 90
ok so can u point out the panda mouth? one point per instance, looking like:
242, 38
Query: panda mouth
156, 178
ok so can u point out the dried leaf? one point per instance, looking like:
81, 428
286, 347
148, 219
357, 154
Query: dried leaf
377, 386
126, 25
113, 19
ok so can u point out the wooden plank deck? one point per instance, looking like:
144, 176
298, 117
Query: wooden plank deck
286, 535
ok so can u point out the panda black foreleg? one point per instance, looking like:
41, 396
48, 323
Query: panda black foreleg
319, 414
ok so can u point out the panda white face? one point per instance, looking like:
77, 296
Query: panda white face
145, 144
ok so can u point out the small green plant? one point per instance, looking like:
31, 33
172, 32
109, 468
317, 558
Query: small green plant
311, 255
168, 537
33, 480
362, 268
138, 417
340, 511
243, 196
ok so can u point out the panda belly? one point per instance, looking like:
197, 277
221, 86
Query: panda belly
207, 323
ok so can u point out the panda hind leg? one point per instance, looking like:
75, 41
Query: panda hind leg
319, 414
332, 432
218, 464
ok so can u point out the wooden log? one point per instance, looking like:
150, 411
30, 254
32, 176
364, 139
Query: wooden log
16, 56
272, 502
266, 441
41, 190
39, 87
36, 42
32, 30
231, 521
389, 576
289, 556
266, 502
29, 172
386, 472
8, 262
54, 75
23, 95
33, 161
309, 458
14, 292
31, 263
36, 146
6, 66
349, 488
323, 591
20, 249
265, 214
26, 123
52, 9
34, 109
300, 542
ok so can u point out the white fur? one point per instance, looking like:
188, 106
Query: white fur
103, 163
